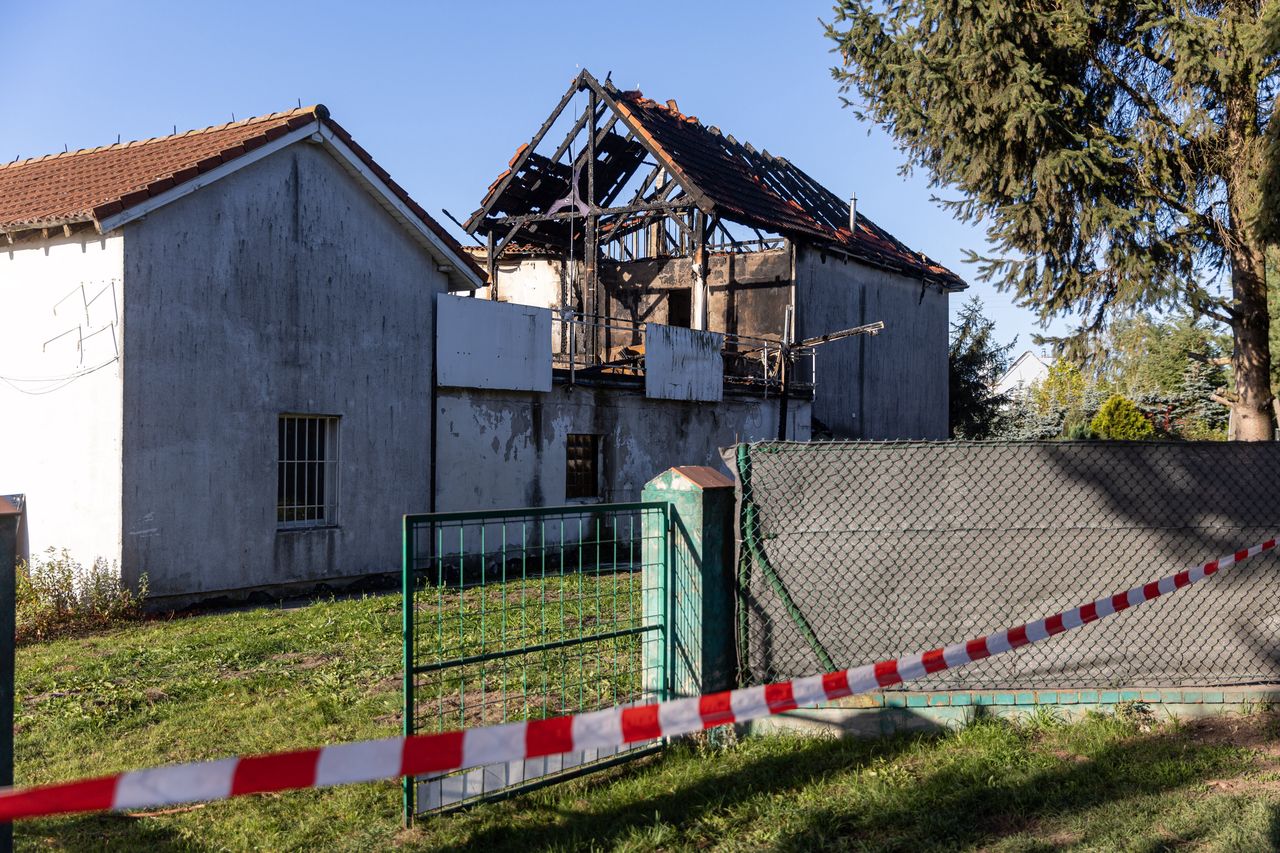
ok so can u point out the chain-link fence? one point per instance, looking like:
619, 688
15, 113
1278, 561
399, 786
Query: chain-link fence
855, 552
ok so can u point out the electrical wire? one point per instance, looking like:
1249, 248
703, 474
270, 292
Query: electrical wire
58, 382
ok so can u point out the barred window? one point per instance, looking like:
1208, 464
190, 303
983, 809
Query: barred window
307, 471
582, 469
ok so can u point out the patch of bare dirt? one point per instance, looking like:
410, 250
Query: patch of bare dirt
1259, 732
390, 684
300, 661
49, 694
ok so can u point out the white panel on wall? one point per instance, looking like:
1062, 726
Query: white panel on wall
483, 344
683, 364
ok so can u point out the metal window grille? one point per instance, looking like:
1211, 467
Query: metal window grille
307, 471
582, 468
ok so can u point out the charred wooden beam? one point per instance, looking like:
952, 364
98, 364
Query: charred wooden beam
681, 202
700, 198
591, 250
475, 219
496, 251
492, 263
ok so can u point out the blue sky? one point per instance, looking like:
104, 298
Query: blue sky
442, 93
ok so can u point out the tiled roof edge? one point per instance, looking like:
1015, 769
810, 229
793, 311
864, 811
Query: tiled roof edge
312, 111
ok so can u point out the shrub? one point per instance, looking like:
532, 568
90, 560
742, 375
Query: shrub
1121, 419
56, 596
1080, 432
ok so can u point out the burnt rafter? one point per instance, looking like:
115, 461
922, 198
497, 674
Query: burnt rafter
632, 139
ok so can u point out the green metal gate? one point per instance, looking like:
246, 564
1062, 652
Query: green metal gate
531, 613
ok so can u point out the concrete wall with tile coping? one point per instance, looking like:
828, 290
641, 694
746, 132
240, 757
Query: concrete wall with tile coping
883, 714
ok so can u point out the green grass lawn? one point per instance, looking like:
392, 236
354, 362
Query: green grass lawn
271, 678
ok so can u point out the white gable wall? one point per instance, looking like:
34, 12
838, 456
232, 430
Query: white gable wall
1027, 370
60, 441
284, 288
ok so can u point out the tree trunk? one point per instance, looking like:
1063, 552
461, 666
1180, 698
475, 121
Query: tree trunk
1243, 156
1251, 358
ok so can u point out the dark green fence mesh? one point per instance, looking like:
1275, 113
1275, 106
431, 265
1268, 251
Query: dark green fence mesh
854, 552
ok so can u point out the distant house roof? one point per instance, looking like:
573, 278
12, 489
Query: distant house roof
1026, 370
723, 176
104, 185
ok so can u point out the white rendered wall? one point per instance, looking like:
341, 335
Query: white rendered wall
530, 281
683, 364
60, 440
483, 344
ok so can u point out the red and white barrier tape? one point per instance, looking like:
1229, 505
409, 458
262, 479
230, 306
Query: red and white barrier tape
367, 761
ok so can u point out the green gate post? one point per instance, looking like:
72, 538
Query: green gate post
698, 604
11, 514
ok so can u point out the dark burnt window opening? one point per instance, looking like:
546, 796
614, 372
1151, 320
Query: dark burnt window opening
582, 466
680, 308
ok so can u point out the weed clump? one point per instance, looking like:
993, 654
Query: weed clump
58, 597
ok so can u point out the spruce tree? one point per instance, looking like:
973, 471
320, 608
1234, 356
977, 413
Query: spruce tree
976, 363
1199, 414
1115, 152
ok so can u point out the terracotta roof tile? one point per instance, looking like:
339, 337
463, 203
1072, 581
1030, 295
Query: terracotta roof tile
94, 183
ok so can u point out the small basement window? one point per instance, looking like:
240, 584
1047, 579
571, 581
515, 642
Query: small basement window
582, 468
307, 471
680, 308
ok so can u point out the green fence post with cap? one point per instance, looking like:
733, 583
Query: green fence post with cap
11, 517
700, 650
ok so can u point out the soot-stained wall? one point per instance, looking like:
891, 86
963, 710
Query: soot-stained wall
284, 288
893, 385
502, 449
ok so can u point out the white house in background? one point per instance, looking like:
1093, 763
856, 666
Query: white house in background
230, 359
1026, 370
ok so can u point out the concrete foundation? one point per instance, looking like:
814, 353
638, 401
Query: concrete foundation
883, 714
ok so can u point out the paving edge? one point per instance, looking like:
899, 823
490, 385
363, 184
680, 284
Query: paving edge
882, 714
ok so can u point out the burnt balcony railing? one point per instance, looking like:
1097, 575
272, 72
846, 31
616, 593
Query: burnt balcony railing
615, 347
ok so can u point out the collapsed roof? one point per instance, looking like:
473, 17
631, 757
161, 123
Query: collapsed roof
687, 164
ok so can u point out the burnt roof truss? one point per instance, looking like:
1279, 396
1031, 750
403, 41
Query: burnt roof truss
675, 176
547, 200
